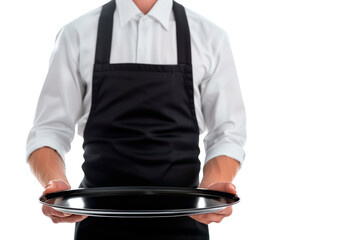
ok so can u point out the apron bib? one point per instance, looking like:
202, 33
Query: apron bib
141, 131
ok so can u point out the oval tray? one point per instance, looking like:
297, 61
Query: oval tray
139, 202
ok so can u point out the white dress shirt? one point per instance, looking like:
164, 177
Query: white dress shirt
65, 99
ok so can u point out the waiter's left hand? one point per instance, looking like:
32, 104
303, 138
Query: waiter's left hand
220, 215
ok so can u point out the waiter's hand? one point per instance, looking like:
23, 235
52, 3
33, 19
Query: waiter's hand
56, 216
217, 216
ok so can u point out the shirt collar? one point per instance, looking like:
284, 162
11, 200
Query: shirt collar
160, 11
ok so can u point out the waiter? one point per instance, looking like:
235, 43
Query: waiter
141, 79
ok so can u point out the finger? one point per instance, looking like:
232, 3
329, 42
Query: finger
208, 218
48, 211
70, 219
58, 214
226, 212
218, 219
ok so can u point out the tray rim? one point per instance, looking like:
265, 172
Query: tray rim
138, 213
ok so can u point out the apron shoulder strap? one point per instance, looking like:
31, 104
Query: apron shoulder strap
182, 34
105, 29
104, 35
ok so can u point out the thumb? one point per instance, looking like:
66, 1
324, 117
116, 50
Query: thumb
223, 186
49, 187
230, 188
56, 185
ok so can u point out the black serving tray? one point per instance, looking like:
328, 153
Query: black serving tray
139, 202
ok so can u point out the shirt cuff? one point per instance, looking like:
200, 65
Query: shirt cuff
40, 142
231, 150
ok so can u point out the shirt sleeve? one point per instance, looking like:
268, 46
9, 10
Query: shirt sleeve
60, 103
222, 105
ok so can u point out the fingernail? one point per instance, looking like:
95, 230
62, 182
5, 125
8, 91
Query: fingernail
233, 186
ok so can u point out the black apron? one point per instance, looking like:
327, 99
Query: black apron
141, 131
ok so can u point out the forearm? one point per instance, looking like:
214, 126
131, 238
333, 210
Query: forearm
47, 165
219, 169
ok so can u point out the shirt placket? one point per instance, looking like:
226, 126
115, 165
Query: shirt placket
140, 49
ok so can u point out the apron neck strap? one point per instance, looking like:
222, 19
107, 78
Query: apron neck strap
182, 34
105, 29
104, 35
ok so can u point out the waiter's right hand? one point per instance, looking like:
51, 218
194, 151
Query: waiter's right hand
56, 216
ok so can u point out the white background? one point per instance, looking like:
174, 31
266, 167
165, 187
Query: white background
298, 66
